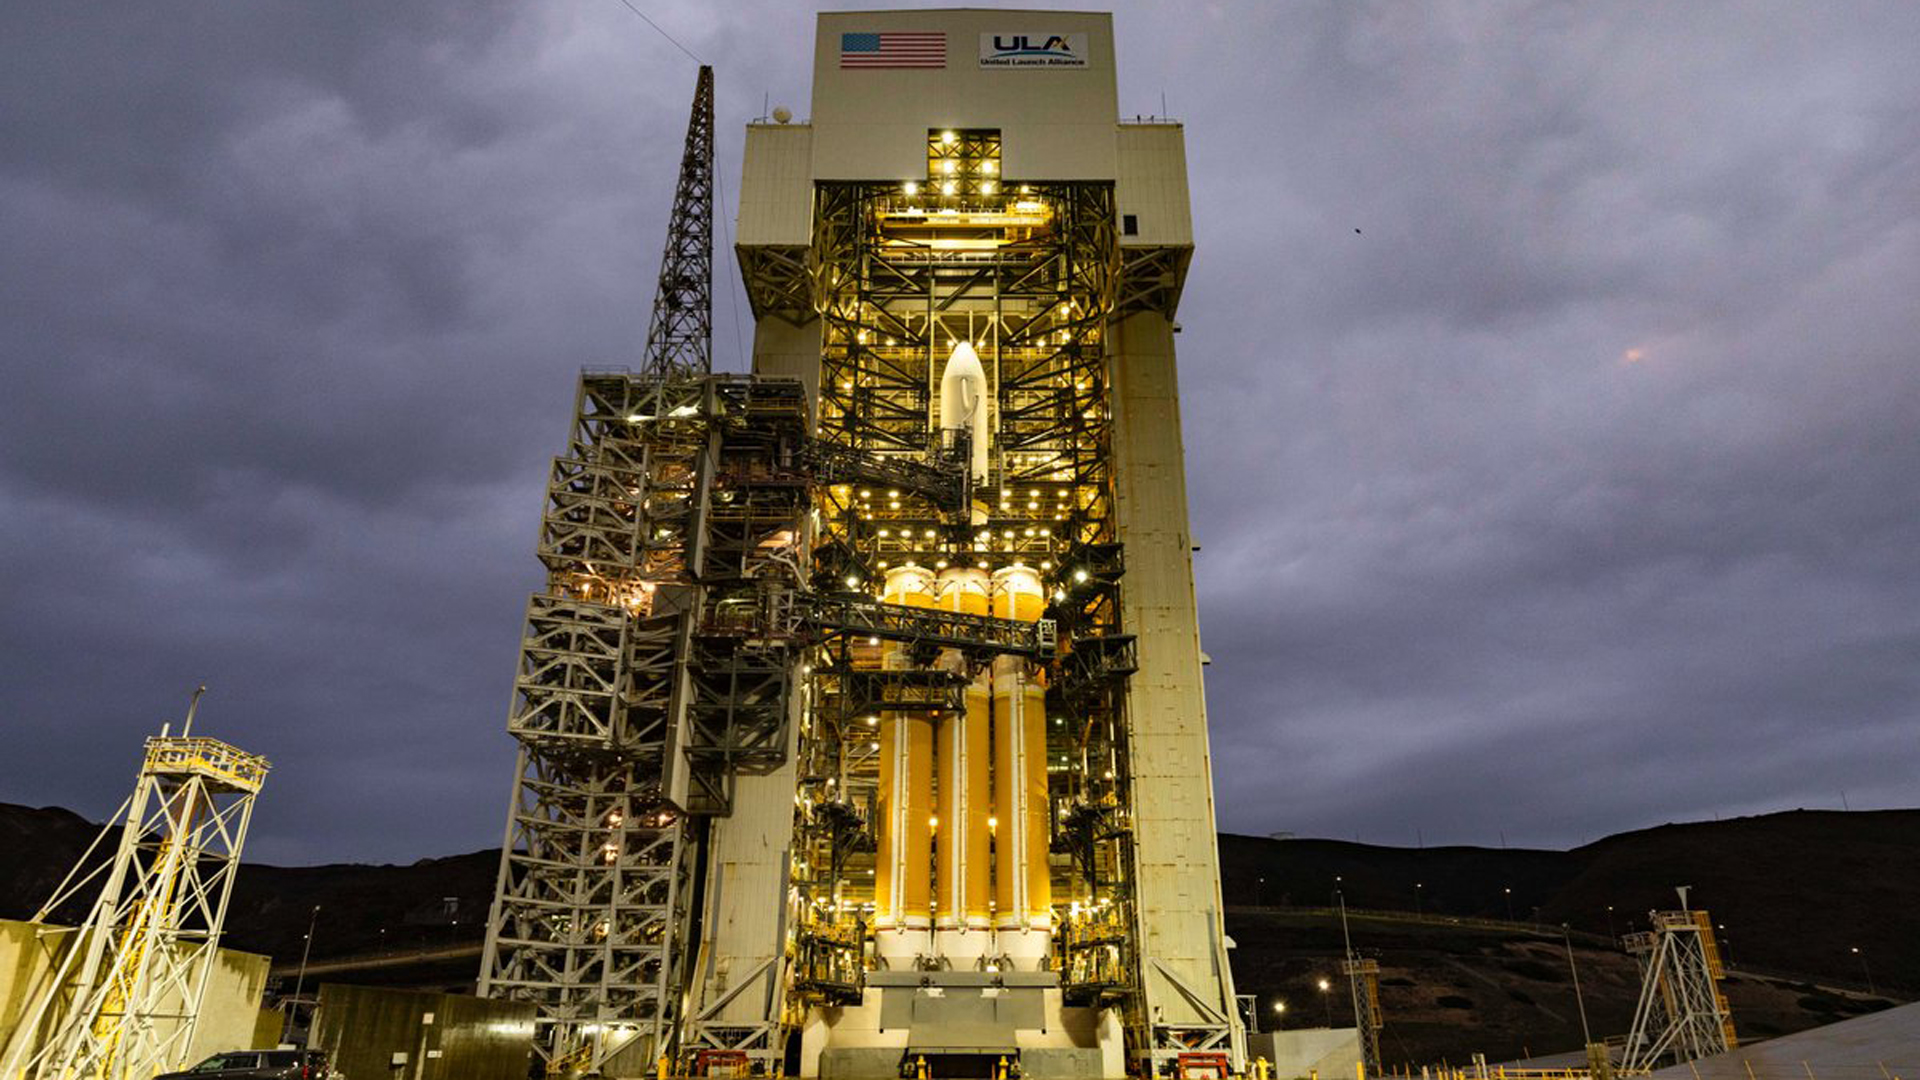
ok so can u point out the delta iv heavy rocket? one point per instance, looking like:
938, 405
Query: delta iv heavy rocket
990, 893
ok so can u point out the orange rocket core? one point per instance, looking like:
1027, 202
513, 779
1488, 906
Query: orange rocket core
966, 798
1022, 885
903, 891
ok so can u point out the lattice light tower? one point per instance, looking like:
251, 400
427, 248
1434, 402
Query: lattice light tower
125, 996
1681, 1015
1363, 983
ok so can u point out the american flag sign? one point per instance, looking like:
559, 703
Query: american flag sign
894, 49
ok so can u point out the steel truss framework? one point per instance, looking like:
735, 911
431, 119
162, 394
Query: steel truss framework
711, 551
1681, 1015
639, 697
779, 282
680, 337
1035, 298
658, 667
635, 705
124, 999
1363, 983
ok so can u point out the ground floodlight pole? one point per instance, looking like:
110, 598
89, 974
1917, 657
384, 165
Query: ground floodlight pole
1566, 938
300, 982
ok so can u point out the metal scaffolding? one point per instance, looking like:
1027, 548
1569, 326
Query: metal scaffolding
1363, 983
125, 994
593, 897
715, 546
637, 701
658, 667
1030, 274
1681, 1015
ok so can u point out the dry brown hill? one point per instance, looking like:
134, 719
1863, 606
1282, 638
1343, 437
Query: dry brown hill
1795, 891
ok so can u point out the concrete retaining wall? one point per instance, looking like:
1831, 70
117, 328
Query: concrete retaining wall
229, 1015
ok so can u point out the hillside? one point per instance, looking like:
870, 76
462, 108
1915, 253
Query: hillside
363, 907
1795, 892
1447, 991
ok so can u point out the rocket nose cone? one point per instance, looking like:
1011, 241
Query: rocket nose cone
963, 361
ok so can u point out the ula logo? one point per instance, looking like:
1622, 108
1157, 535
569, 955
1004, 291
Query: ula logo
1022, 45
1033, 50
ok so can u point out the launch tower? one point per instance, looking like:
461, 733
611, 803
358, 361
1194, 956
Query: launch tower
862, 719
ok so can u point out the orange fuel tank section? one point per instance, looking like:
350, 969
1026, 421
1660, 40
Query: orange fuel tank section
903, 891
1022, 886
966, 796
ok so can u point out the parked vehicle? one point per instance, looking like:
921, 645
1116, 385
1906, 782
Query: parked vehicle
260, 1065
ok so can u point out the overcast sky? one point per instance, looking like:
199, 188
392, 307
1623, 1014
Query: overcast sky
1550, 388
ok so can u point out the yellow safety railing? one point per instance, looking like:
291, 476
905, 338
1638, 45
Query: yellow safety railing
210, 758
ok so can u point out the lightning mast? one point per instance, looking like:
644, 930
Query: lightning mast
680, 338
125, 997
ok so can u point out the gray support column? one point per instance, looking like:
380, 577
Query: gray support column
739, 988
783, 350
1186, 982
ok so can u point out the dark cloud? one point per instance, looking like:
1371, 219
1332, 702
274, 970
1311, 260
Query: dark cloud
1574, 492
1580, 496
